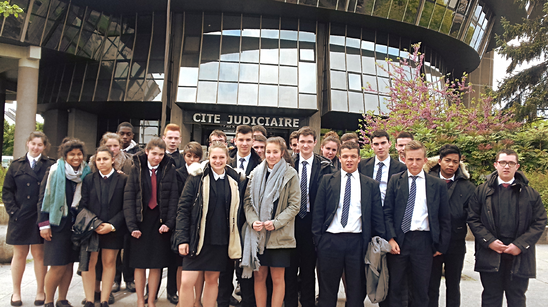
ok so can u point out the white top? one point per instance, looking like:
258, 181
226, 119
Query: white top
108, 175
150, 168
29, 158
419, 222
384, 175
452, 178
500, 181
308, 173
246, 161
217, 177
354, 224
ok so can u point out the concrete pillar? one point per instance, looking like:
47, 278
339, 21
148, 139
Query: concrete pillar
83, 126
27, 97
315, 122
56, 128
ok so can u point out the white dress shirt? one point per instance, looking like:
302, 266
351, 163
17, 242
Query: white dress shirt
246, 161
217, 176
384, 175
452, 178
308, 173
500, 181
354, 224
29, 158
419, 222
150, 168
107, 175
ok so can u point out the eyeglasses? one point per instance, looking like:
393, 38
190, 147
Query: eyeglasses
509, 163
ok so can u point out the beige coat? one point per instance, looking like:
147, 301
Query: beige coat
283, 235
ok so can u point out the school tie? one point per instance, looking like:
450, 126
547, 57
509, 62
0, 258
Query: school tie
32, 163
378, 177
242, 160
346, 201
304, 192
408, 215
153, 198
505, 185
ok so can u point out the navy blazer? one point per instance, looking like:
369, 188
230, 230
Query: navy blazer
327, 202
367, 166
439, 217
320, 167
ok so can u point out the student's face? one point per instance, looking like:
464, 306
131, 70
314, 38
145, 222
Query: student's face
306, 144
113, 145
400, 146
36, 147
74, 158
273, 154
506, 172
381, 147
329, 150
258, 133
172, 139
127, 135
449, 165
350, 158
103, 161
216, 138
414, 160
191, 158
295, 145
259, 148
155, 155
217, 160
244, 143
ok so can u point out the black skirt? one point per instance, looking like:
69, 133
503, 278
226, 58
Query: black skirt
60, 251
276, 258
152, 250
112, 240
24, 231
211, 258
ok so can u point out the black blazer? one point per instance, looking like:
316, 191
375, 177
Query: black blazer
439, 217
254, 160
320, 166
180, 170
91, 198
367, 166
328, 199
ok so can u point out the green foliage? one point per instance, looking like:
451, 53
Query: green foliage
6, 9
539, 182
3, 172
7, 146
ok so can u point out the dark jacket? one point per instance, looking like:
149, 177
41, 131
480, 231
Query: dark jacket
327, 202
192, 211
180, 169
439, 218
91, 198
367, 166
22, 187
254, 160
138, 189
320, 166
459, 194
531, 222
84, 236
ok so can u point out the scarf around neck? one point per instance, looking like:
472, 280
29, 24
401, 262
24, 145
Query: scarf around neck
55, 202
263, 194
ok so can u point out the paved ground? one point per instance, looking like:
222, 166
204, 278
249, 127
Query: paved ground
470, 286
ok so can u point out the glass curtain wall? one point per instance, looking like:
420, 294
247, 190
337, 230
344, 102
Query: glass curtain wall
248, 60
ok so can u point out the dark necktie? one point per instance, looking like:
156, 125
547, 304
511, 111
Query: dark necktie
346, 201
32, 163
105, 177
449, 182
242, 160
153, 198
378, 177
408, 215
505, 185
304, 191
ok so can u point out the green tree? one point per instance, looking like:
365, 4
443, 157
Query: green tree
7, 146
6, 9
525, 92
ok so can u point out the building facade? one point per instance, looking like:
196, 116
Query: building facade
214, 64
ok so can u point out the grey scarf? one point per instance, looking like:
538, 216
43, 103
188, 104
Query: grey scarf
263, 195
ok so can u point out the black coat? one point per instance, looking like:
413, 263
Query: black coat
327, 202
531, 222
367, 166
180, 169
254, 160
439, 218
138, 189
320, 166
20, 195
459, 194
91, 198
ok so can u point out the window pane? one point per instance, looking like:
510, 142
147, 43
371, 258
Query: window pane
308, 102
228, 72
307, 78
372, 103
338, 80
288, 75
209, 71
188, 76
228, 93
186, 94
354, 82
355, 102
248, 94
288, 96
268, 95
337, 60
207, 92
269, 74
249, 73
338, 101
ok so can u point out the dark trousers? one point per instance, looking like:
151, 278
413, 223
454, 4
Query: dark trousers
338, 252
502, 282
416, 254
301, 275
226, 287
122, 263
453, 268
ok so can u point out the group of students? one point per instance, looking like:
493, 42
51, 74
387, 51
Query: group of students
273, 219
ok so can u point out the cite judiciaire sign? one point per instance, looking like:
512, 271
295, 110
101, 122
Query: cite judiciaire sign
230, 119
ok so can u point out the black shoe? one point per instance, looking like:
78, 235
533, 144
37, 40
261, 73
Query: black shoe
63, 303
130, 286
15, 303
104, 304
89, 304
174, 299
234, 301
115, 287
111, 299
39, 302
48, 305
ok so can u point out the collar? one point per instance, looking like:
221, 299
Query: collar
354, 174
217, 177
246, 157
385, 161
399, 159
452, 178
309, 160
500, 181
108, 175
420, 175
170, 153
130, 146
31, 158
150, 167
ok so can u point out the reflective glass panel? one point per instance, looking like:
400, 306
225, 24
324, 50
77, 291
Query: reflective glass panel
188, 76
339, 101
336, 60
269, 74
307, 101
288, 75
288, 97
369, 81
268, 95
228, 93
353, 62
338, 80
307, 55
354, 82
186, 94
249, 73
368, 65
371, 102
355, 102
209, 71
228, 72
307, 78
247, 94
207, 92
